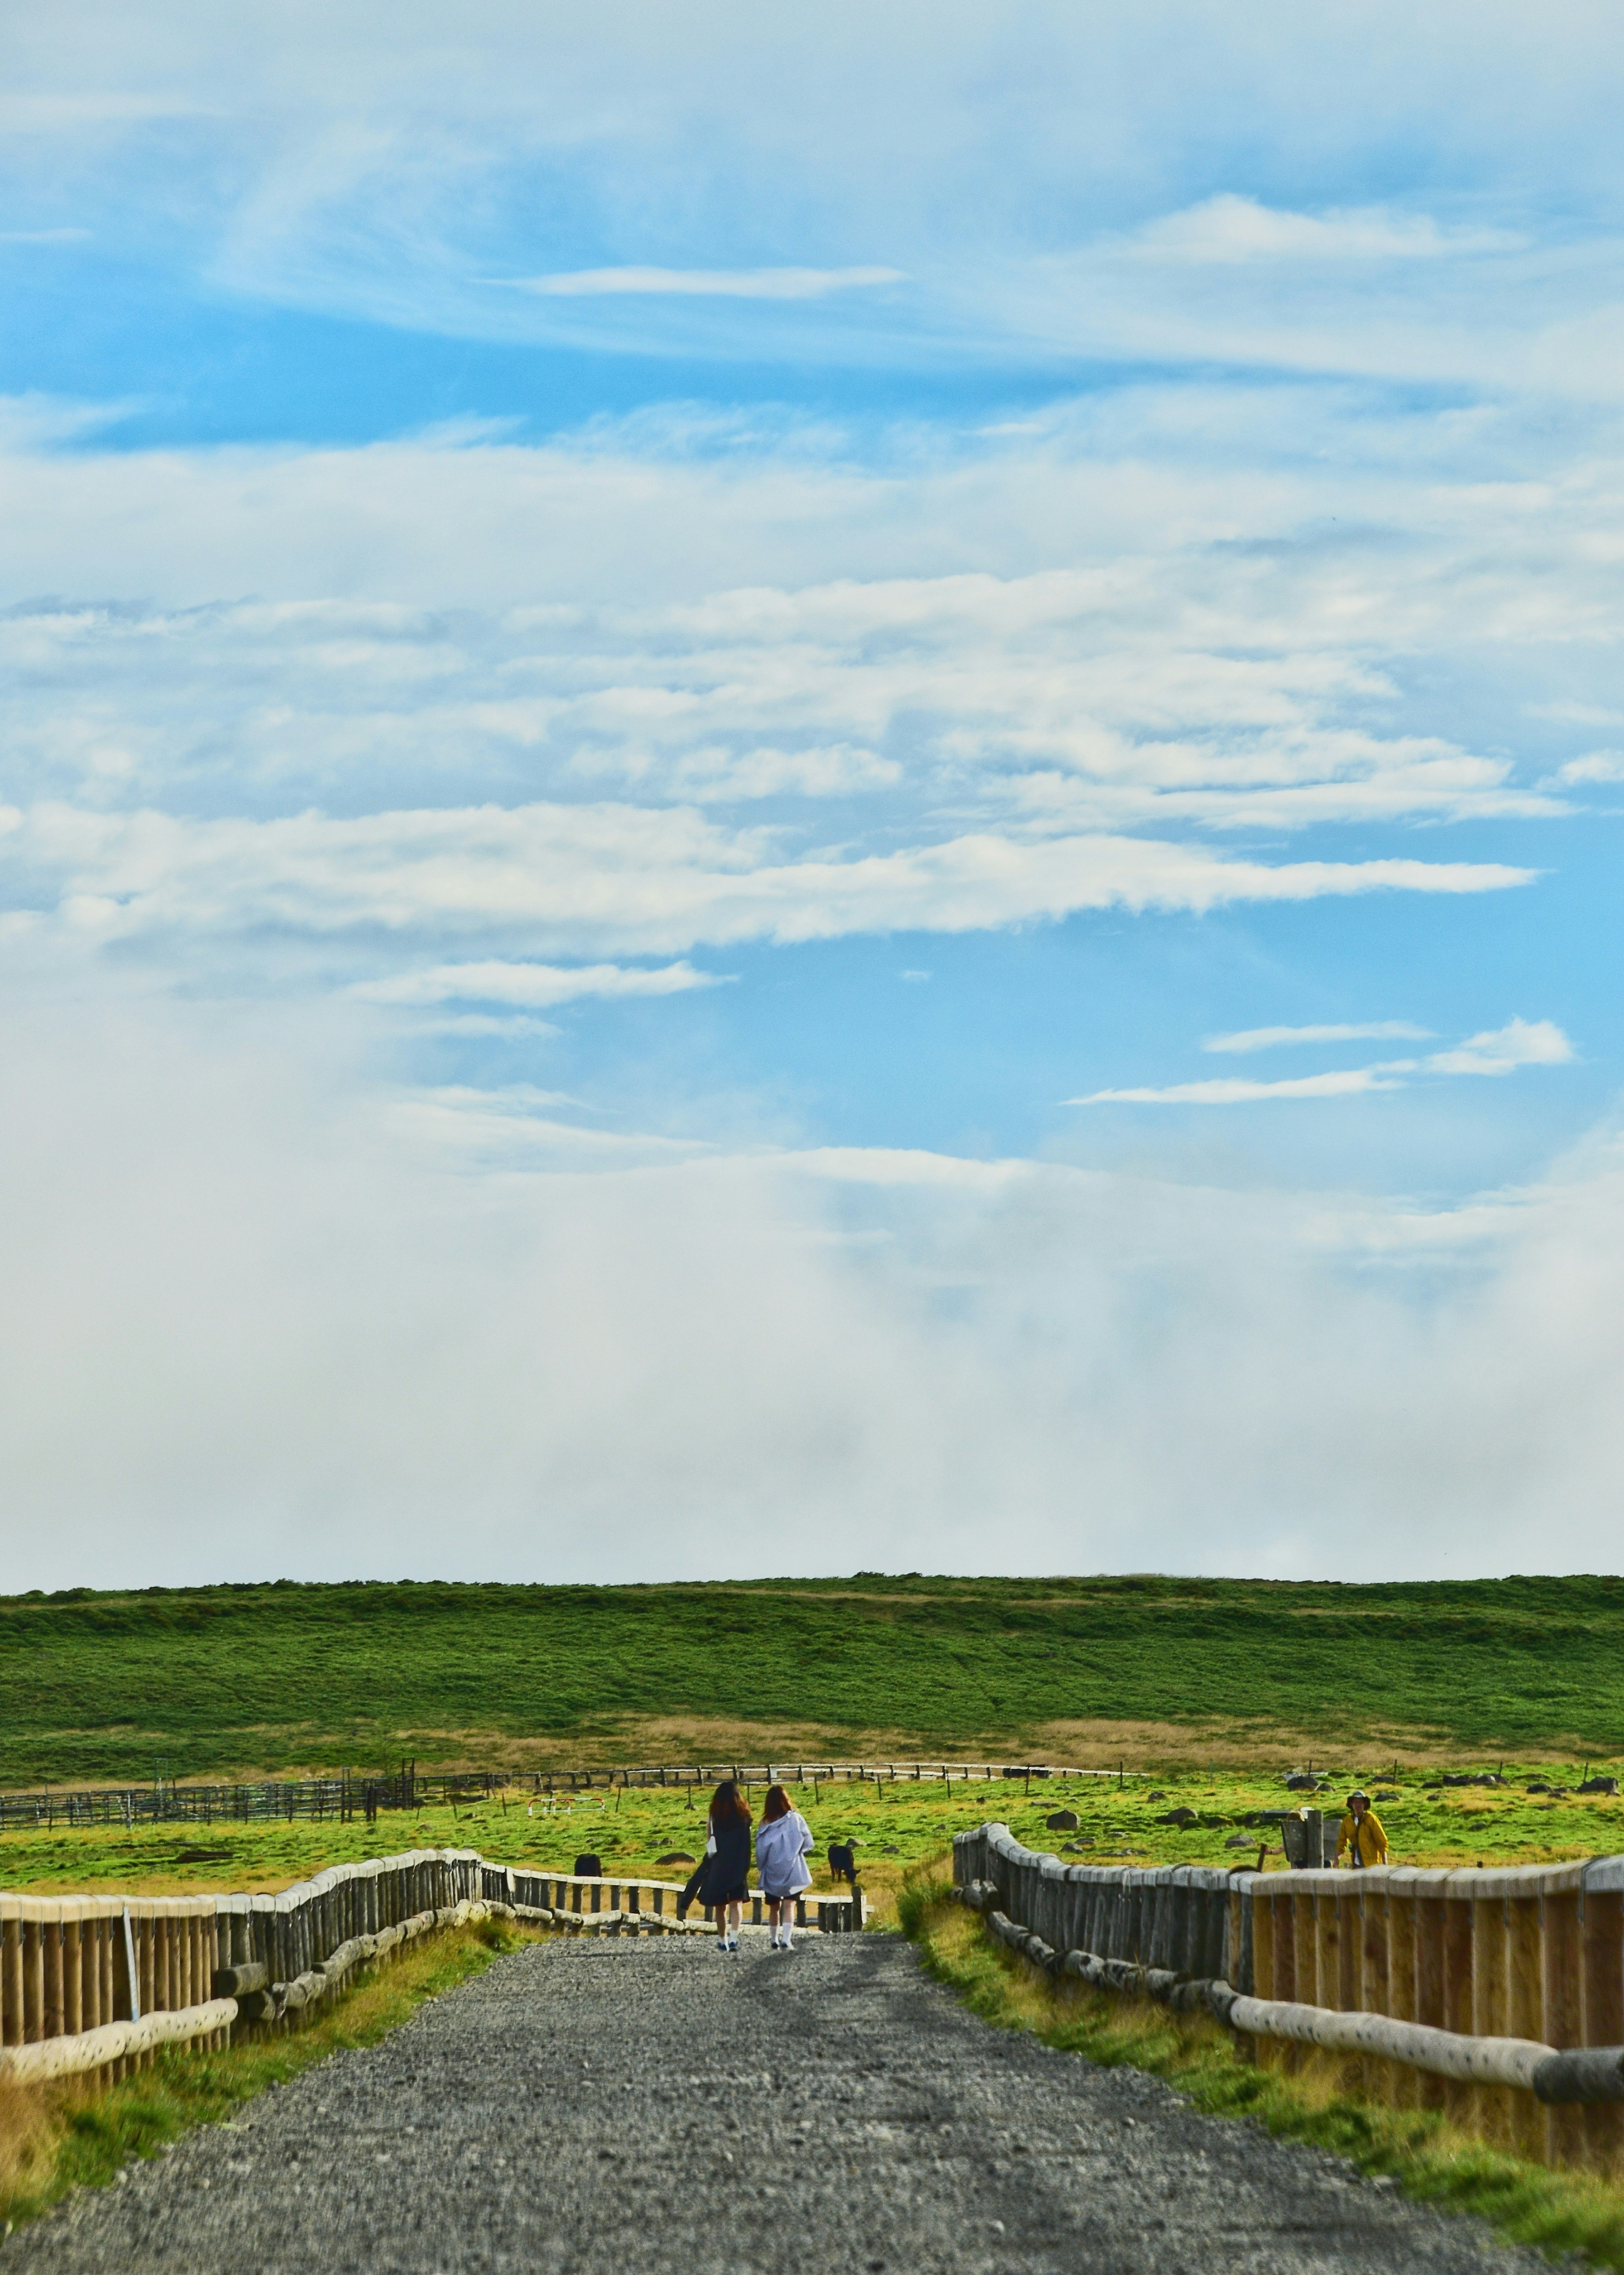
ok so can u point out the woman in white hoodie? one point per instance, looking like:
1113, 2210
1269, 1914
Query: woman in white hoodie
782, 1846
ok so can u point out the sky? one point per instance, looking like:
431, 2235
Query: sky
781, 796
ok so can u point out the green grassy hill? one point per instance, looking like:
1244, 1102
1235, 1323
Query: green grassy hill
96, 1687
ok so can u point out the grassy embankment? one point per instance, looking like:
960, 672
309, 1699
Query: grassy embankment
55, 2137
1558, 2212
98, 1688
897, 1826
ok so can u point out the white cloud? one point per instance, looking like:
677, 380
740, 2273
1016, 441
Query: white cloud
708, 283
631, 879
1235, 1090
1228, 229
536, 984
1595, 766
1268, 1039
257, 1320
1502, 1050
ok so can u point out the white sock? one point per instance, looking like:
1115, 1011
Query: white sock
784, 1936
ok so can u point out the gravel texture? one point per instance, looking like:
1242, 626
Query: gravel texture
627, 2108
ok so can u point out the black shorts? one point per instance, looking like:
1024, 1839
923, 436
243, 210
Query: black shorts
730, 1891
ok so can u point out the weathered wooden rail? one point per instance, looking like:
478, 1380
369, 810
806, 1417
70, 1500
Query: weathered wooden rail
96, 1983
1495, 1996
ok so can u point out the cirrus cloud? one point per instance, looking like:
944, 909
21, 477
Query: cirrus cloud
705, 284
1499, 1051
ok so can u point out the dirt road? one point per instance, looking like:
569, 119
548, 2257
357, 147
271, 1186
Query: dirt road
651, 2108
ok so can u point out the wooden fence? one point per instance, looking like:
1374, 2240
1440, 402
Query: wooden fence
97, 1983
1469, 1992
354, 1793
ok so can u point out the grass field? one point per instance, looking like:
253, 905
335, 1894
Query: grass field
896, 1826
98, 1688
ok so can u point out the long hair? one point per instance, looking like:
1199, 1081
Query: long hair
727, 1800
777, 1804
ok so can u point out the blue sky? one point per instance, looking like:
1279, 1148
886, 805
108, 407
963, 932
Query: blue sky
779, 795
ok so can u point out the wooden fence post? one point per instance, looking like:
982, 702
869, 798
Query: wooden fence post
1490, 1996
1602, 2008
1564, 2019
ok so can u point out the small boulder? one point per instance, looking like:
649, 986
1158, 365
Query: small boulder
1239, 1841
1539, 1786
1177, 1816
1066, 1820
589, 1868
1599, 1785
676, 1857
1389, 1796
1076, 1847
1155, 1797
1300, 1781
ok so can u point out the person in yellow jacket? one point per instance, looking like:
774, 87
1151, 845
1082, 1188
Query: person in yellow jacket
1361, 1840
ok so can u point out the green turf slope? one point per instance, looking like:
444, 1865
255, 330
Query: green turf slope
98, 1686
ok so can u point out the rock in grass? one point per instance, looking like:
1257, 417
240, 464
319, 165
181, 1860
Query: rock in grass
1177, 1816
1590, 1785
676, 1857
1066, 1820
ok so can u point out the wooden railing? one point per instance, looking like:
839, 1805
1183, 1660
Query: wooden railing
71, 1968
96, 1983
1472, 1982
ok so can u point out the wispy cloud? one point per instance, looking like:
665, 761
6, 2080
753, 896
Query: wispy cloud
1229, 229
1595, 766
1497, 1051
706, 283
1502, 1050
636, 880
1268, 1039
534, 986
1235, 1090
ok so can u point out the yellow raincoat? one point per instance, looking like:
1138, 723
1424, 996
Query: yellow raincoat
1373, 1840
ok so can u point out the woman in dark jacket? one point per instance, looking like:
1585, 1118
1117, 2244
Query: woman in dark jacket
727, 1884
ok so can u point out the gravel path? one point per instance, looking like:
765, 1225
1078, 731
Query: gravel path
623, 2108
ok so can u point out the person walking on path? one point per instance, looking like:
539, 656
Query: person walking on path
727, 1884
782, 1847
1362, 1839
